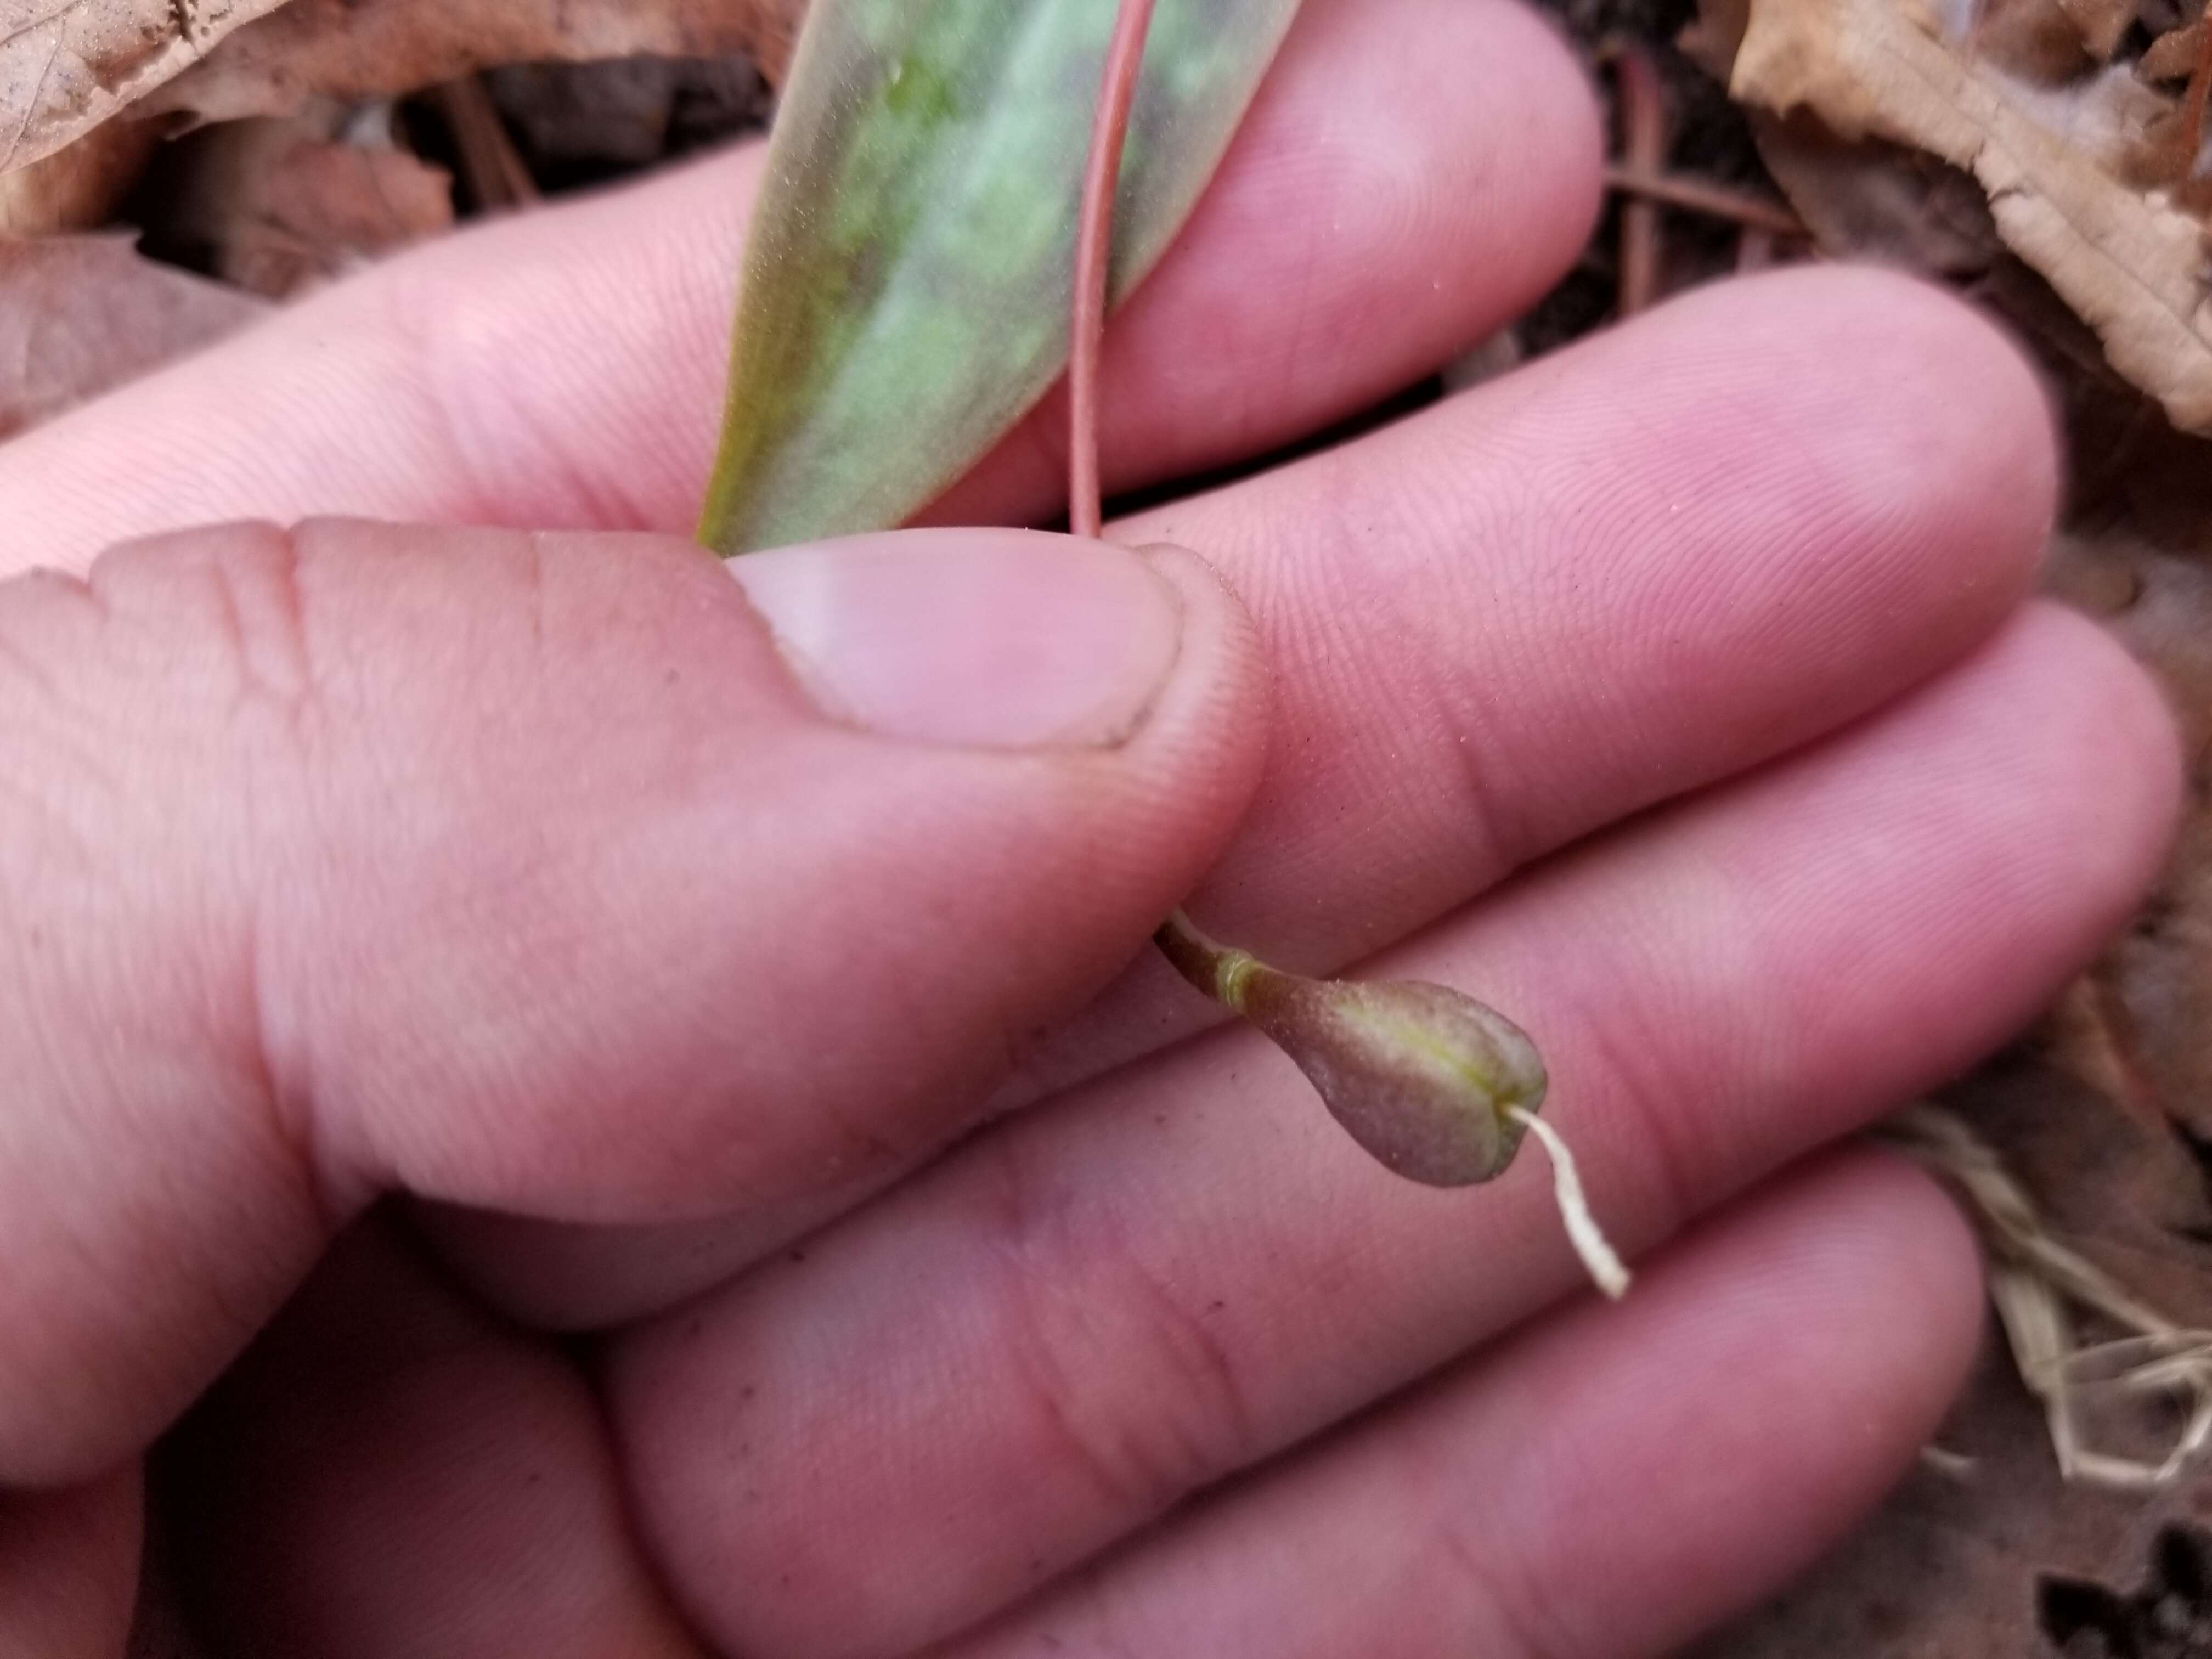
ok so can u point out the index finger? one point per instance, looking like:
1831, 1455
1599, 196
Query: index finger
1381, 208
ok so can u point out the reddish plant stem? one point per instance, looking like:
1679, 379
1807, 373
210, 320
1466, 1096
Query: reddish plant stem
1194, 955
1699, 196
1094, 230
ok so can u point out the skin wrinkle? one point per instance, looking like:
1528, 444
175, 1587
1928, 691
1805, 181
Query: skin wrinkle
1114, 1643
57, 736
1475, 1560
1459, 721
255, 587
252, 586
1499, 1579
263, 658
1092, 1589
330, 1200
564, 481
1026, 1246
533, 581
601, 501
1663, 1157
1341, 523
38, 810
1203, 1369
1381, 1491
408, 302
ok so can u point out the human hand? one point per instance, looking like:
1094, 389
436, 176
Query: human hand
525, 876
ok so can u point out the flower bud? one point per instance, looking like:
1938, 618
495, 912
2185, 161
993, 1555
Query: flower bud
1422, 1076
1433, 1085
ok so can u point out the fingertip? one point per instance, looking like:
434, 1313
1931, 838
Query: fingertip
1885, 1247
1232, 690
1850, 1288
1530, 145
1550, 182
1968, 416
1782, 1371
1971, 402
2064, 760
1921, 442
2115, 731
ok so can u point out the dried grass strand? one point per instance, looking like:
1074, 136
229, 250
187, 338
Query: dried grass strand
2035, 1276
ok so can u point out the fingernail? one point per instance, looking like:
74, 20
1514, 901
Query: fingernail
994, 638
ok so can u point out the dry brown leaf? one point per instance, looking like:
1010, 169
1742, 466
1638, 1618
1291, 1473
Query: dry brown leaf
2049, 41
78, 185
1877, 201
2103, 24
2174, 54
580, 123
2149, 1044
324, 210
1992, 1562
67, 66
2127, 260
355, 50
1712, 37
79, 314
275, 205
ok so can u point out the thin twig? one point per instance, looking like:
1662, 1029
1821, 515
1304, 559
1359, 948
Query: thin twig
494, 168
1644, 140
1094, 229
1715, 201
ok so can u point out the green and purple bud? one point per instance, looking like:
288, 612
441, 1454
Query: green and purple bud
1423, 1077
1437, 1086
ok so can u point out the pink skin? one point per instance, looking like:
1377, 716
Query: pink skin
563, 876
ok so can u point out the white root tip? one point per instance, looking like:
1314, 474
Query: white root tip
1599, 1258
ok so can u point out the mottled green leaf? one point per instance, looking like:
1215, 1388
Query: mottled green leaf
906, 291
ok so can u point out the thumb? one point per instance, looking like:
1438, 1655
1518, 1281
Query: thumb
564, 875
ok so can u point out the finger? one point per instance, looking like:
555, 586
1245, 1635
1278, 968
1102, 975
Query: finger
1639, 567
529, 871
1381, 209
387, 1472
1630, 572
1098, 1308
1605, 1486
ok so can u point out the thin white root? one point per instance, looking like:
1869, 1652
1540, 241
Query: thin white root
1598, 1255
1951, 1465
